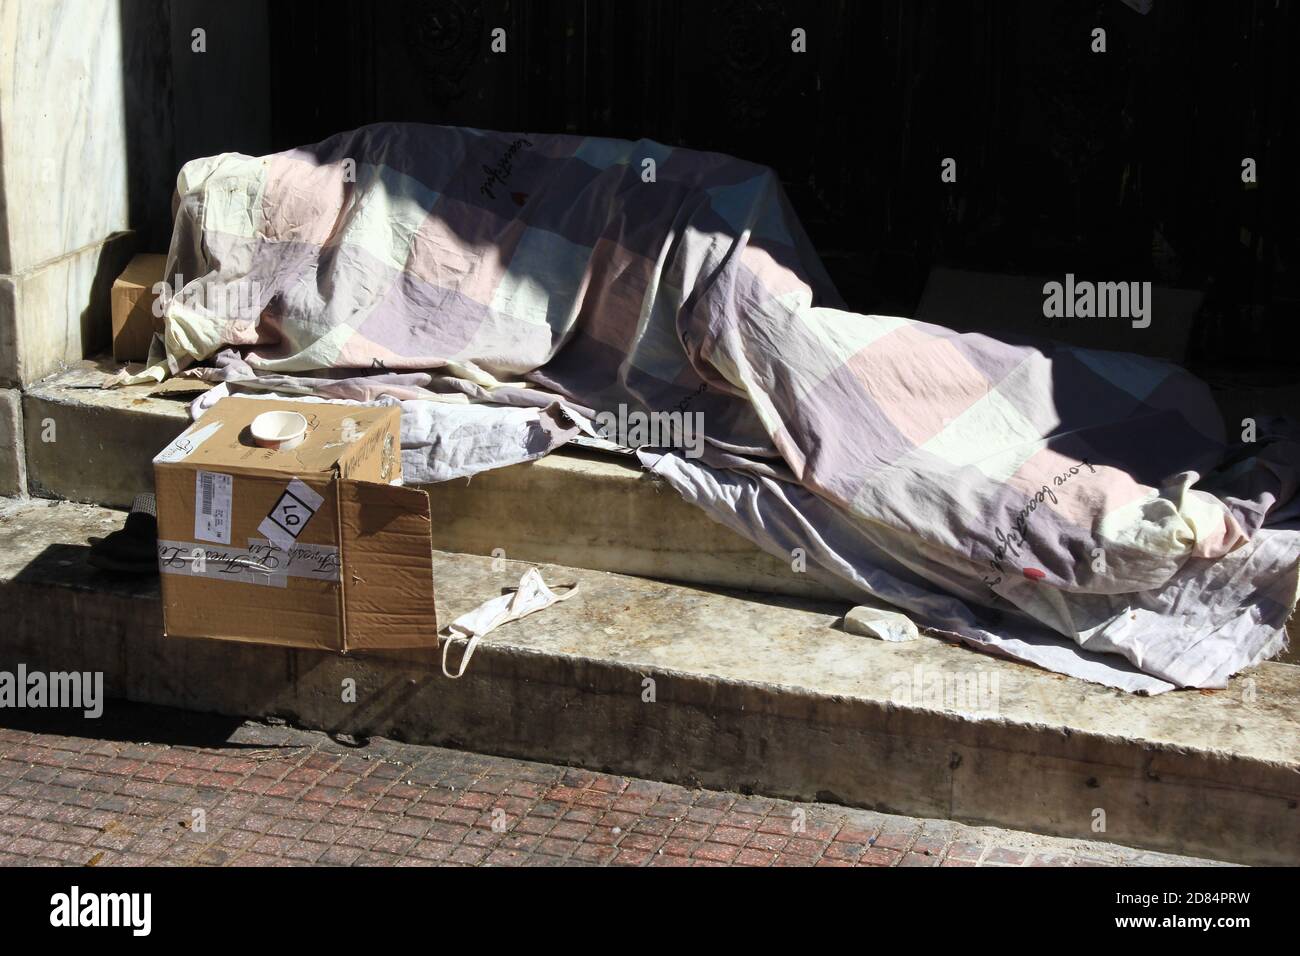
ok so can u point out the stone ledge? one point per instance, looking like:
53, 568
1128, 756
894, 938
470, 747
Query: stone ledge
567, 508
13, 461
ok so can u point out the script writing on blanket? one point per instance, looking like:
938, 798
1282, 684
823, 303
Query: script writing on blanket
498, 174
1010, 539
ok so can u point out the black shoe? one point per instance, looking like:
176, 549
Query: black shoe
134, 548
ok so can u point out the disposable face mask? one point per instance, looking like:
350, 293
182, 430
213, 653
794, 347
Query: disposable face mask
531, 596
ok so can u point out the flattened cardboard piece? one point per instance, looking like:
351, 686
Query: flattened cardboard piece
387, 566
182, 389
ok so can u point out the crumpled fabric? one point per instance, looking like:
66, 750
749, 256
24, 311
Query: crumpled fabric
441, 440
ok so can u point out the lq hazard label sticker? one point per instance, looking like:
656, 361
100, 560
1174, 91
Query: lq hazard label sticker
287, 519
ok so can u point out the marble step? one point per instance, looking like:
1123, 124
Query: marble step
714, 688
94, 445
569, 508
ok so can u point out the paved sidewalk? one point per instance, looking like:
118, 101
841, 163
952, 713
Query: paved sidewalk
128, 789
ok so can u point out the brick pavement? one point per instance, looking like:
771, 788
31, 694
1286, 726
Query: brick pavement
124, 790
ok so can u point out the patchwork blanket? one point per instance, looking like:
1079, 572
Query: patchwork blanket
1077, 508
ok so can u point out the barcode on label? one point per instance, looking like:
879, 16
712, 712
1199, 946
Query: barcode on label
212, 498
206, 481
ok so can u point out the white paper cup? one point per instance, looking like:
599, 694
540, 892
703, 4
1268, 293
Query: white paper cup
279, 430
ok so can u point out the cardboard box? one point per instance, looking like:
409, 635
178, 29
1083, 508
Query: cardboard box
310, 547
132, 305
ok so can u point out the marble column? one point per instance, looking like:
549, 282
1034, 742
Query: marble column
101, 101
86, 172
64, 196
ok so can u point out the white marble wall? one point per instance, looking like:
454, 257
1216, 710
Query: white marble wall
63, 180
100, 103
58, 311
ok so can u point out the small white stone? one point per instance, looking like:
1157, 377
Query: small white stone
886, 625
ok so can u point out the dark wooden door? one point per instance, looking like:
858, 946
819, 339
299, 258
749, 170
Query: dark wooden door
1123, 164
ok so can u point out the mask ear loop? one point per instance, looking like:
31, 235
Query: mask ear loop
471, 644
